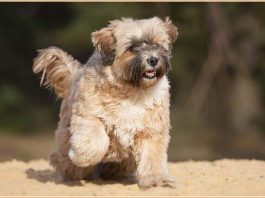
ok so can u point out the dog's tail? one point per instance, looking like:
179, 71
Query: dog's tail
57, 69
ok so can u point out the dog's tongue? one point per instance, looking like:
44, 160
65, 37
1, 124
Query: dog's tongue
150, 73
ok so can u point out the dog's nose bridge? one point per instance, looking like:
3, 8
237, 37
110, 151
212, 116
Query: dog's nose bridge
153, 53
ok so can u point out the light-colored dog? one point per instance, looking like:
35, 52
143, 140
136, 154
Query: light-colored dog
114, 118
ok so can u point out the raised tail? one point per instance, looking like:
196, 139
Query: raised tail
57, 68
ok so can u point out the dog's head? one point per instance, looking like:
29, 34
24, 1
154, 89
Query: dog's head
138, 51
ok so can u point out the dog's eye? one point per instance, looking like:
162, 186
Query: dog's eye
133, 48
156, 45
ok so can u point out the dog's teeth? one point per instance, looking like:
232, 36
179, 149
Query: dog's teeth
150, 73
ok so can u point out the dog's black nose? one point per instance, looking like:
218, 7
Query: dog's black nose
152, 61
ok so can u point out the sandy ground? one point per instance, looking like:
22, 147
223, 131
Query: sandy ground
222, 177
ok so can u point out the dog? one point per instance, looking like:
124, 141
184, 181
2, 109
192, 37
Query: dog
114, 116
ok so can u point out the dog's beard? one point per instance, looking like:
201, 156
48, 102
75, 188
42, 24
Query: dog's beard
140, 74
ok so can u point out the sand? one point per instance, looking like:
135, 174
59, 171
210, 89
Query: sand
221, 177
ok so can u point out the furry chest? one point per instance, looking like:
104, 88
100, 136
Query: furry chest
123, 122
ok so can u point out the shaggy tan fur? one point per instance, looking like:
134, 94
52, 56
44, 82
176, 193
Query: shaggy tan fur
114, 118
58, 67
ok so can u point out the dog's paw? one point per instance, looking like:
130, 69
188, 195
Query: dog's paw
157, 180
77, 159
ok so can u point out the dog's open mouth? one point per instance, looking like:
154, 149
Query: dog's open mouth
150, 74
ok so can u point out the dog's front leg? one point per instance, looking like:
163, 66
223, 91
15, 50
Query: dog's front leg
89, 141
151, 159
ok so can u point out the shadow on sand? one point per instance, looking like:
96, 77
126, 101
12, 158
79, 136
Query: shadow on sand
49, 175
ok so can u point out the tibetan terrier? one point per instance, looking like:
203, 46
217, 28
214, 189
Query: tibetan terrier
114, 117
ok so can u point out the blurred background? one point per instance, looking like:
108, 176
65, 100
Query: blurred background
218, 75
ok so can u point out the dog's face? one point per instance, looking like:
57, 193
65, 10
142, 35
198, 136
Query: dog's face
138, 51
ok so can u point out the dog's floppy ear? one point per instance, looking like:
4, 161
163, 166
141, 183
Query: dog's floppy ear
104, 41
172, 30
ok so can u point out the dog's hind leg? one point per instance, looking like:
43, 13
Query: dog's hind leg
117, 170
67, 170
